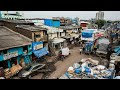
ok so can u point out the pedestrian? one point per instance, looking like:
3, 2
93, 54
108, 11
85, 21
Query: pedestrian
109, 52
80, 50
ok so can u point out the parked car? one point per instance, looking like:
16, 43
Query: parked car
30, 70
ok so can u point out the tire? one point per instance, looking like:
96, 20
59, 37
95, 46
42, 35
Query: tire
29, 77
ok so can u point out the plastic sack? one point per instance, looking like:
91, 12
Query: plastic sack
78, 70
70, 70
76, 65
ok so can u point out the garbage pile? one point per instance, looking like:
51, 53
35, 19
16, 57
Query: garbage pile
88, 69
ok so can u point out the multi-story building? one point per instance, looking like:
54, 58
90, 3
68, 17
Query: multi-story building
100, 15
14, 48
11, 15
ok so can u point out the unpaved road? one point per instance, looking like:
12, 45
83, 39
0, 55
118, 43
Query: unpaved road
61, 67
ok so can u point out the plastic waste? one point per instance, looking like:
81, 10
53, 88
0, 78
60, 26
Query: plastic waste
117, 77
70, 69
78, 70
100, 67
87, 70
76, 65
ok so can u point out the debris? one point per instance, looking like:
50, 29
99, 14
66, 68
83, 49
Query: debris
88, 69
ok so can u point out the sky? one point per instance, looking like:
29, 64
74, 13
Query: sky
108, 15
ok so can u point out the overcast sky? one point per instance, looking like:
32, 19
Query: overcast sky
108, 15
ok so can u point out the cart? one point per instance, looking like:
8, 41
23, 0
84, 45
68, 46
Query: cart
88, 47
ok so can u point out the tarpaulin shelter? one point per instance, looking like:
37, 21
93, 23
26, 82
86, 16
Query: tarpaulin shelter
38, 49
41, 52
88, 35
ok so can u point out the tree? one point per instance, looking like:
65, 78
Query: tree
100, 23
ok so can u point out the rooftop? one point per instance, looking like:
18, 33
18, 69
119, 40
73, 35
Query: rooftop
31, 28
11, 39
16, 21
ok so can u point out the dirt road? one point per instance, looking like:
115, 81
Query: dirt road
61, 67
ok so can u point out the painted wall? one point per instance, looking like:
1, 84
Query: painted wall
48, 22
14, 52
37, 39
53, 23
53, 35
56, 23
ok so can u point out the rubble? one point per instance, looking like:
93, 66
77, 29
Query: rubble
88, 68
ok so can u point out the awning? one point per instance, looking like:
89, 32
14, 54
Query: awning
58, 40
75, 35
103, 40
41, 52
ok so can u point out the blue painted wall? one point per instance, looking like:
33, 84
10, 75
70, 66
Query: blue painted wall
19, 49
53, 23
1, 57
30, 49
56, 23
48, 22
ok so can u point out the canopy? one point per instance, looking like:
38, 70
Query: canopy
87, 33
103, 40
58, 40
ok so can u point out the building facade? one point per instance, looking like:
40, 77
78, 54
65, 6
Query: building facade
52, 22
14, 48
100, 15
11, 15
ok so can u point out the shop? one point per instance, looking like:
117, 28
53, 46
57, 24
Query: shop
58, 43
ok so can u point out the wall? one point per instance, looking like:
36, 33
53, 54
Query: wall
19, 51
24, 32
48, 22
68, 32
62, 34
53, 35
53, 23
56, 23
37, 39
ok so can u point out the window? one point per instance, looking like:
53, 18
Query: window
28, 68
5, 51
36, 67
37, 36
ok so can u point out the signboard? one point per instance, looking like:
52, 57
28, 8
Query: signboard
10, 55
38, 46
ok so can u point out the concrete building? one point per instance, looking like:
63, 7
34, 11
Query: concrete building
11, 15
100, 15
14, 48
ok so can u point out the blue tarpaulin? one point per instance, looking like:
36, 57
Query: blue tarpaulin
116, 49
87, 34
41, 52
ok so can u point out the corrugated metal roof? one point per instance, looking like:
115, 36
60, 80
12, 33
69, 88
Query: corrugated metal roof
52, 29
10, 39
16, 21
31, 28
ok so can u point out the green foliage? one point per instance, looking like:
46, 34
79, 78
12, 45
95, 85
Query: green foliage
100, 23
